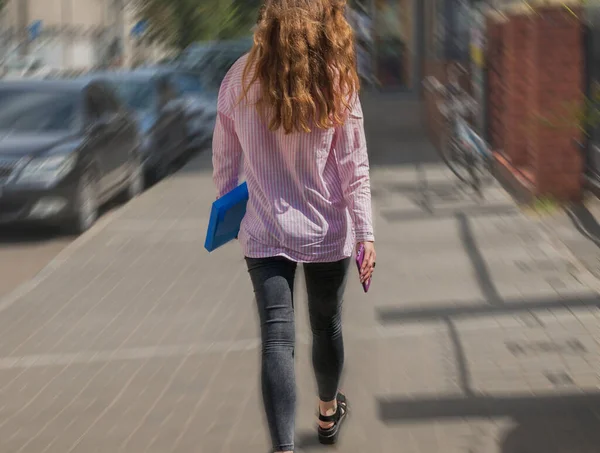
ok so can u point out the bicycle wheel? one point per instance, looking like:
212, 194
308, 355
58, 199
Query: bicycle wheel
455, 158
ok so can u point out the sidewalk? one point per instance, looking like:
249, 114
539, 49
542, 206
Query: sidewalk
577, 226
477, 335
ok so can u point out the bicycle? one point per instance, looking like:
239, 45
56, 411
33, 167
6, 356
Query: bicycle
465, 153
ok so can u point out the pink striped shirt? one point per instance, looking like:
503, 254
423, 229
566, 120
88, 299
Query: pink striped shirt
310, 195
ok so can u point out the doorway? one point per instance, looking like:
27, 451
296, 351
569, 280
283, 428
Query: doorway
394, 25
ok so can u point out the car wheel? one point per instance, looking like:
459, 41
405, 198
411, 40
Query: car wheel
86, 205
162, 170
137, 182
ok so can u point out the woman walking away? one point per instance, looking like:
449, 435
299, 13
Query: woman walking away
291, 109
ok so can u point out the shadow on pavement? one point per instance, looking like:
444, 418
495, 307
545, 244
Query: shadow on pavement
584, 221
519, 407
198, 161
395, 132
307, 441
440, 189
439, 201
410, 215
40, 233
400, 147
28, 235
477, 308
554, 434
480, 267
564, 423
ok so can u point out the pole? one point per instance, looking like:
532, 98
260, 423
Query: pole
64, 42
5, 39
120, 28
22, 19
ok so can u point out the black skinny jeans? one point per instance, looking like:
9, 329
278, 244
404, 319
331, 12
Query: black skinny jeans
273, 281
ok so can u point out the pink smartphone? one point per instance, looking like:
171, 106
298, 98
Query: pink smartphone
360, 256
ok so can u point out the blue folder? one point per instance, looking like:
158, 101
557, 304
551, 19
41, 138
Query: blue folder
226, 217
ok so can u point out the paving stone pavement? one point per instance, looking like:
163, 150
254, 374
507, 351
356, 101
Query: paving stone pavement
477, 336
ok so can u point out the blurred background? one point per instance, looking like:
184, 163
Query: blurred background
42, 36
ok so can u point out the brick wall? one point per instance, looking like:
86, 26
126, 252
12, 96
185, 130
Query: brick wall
539, 74
555, 93
535, 82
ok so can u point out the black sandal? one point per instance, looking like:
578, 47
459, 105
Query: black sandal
329, 436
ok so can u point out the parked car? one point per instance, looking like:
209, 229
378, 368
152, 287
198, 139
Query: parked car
160, 111
200, 103
200, 56
66, 148
211, 62
194, 53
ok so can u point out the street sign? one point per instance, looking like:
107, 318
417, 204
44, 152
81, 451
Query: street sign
35, 30
139, 28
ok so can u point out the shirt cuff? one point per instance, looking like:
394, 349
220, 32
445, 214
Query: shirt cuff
364, 236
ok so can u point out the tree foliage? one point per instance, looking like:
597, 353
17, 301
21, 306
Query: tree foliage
180, 23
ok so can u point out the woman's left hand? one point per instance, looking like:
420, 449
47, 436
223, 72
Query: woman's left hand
368, 265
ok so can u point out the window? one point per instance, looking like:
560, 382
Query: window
138, 95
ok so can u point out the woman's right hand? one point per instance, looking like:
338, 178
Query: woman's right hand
368, 265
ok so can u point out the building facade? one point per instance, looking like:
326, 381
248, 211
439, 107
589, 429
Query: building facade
136, 49
405, 36
391, 32
63, 34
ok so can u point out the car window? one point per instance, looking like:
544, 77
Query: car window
215, 72
138, 95
35, 110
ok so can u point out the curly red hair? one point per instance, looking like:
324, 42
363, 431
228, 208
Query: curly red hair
304, 61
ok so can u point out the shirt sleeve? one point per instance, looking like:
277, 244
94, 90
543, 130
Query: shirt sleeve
350, 147
227, 150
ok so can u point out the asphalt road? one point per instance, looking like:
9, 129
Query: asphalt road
25, 251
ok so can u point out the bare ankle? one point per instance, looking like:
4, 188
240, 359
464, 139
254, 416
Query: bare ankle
328, 407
